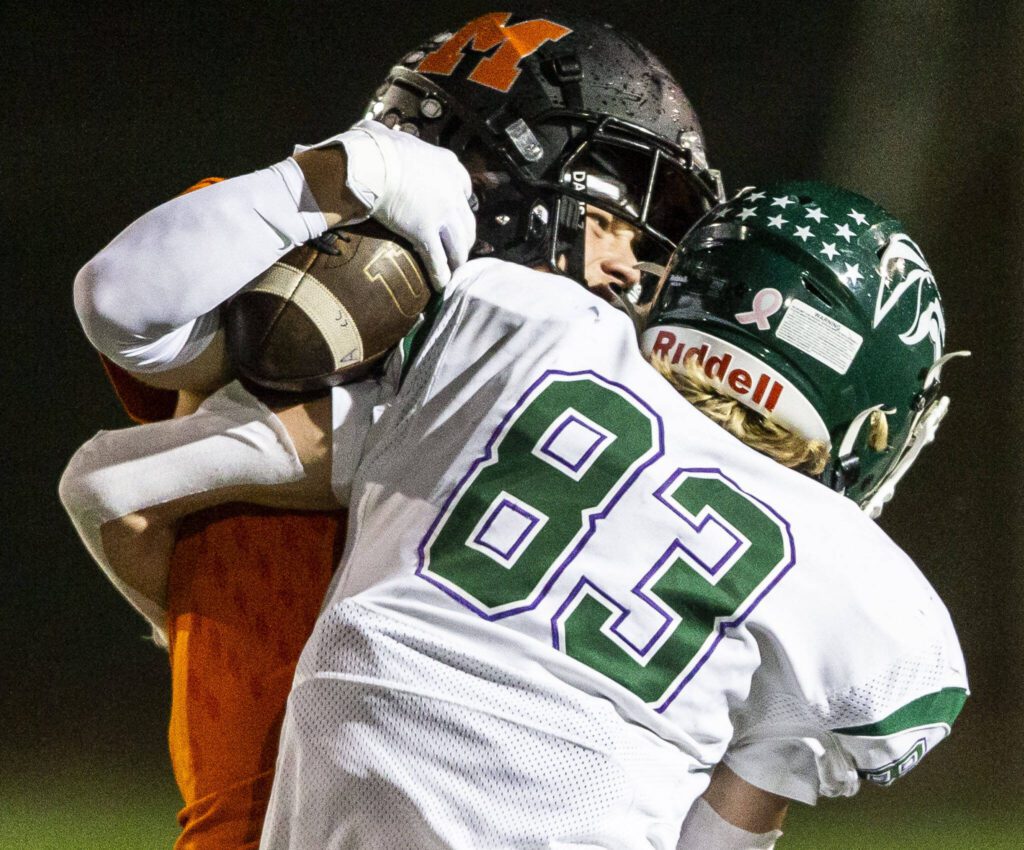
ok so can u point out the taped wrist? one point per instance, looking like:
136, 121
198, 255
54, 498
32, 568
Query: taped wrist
705, 829
233, 440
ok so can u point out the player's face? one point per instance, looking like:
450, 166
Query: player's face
610, 260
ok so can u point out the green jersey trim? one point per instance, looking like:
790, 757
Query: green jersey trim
929, 710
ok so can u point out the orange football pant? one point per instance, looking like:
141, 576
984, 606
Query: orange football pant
245, 589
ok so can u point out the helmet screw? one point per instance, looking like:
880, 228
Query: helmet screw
431, 107
414, 57
441, 36
502, 219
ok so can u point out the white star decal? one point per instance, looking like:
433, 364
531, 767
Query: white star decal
783, 202
776, 221
746, 213
844, 231
816, 214
860, 218
829, 250
757, 196
804, 233
852, 274
723, 212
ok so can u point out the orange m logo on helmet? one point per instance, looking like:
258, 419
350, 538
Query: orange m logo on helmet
500, 70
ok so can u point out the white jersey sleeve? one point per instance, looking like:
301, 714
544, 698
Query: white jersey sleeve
860, 690
149, 299
232, 440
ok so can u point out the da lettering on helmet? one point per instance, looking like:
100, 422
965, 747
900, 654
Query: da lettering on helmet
501, 69
739, 375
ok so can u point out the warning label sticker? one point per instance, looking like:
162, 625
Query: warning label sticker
823, 338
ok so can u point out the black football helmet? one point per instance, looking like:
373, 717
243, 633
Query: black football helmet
550, 115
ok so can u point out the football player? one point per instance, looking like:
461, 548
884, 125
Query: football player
568, 593
588, 116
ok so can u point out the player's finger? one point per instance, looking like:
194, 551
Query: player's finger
467, 219
459, 234
456, 173
456, 244
433, 254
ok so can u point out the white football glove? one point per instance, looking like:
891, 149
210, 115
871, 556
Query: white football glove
415, 189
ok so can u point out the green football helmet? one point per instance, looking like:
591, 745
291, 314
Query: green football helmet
811, 304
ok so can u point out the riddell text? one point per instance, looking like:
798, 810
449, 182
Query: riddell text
717, 368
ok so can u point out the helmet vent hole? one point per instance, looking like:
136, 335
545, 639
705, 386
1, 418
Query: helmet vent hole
813, 288
805, 199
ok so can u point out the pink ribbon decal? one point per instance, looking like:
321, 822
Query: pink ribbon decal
767, 302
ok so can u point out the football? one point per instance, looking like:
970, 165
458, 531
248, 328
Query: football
327, 312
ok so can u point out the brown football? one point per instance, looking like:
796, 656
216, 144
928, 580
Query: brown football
327, 311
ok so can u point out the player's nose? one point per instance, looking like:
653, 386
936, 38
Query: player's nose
621, 271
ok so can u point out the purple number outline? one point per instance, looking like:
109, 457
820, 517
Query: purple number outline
655, 452
493, 515
777, 572
548, 452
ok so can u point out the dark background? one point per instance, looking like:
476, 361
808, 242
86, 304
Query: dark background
109, 112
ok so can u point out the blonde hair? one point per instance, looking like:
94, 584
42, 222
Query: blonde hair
757, 431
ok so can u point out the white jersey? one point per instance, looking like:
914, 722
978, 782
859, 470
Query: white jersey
566, 593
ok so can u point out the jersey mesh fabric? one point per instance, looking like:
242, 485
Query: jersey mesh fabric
420, 745
925, 672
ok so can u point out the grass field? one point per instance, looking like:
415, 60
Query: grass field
101, 812
108, 812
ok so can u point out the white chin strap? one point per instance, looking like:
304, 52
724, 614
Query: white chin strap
922, 432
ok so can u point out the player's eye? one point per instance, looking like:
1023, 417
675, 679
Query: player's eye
600, 218
626, 229
632, 235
